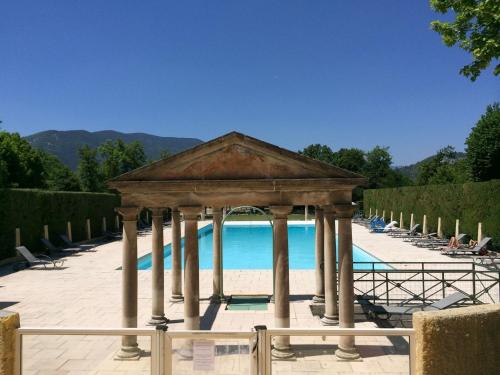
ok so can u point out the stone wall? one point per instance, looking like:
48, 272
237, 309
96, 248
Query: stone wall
458, 341
9, 321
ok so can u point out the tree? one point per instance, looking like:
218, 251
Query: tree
483, 146
352, 159
378, 167
134, 156
21, 165
88, 170
58, 176
318, 152
438, 169
476, 29
165, 154
118, 157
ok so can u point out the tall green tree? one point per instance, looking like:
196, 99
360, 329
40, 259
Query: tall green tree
440, 168
89, 170
318, 152
118, 157
483, 146
476, 29
58, 176
378, 166
352, 159
20, 164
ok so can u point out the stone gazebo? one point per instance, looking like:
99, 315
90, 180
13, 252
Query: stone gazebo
235, 170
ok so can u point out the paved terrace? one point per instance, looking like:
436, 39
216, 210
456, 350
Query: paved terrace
87, 293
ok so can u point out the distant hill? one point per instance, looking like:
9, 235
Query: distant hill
411, 170
65, 144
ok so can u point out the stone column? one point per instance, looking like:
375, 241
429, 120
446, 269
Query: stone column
282, 285
129, 349
319, 296
191, 268
176, 257
157, 269
331, 316
218, 293
346, 349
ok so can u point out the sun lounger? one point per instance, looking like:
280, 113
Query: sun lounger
73, 245
476, 250
112, 235
386, 311
40, 260
434, 243
406, 234
53, 250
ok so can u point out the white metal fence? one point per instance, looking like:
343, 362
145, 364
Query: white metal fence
259, 342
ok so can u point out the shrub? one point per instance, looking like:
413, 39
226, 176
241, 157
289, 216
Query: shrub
470, 202
30, 210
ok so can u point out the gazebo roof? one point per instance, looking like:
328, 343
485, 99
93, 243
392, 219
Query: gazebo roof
234, 163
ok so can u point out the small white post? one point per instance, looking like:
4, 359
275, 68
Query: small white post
18, 237
104, 228
370, 212
401, 225
383, 214
376, 212
306, 212
392, 216
424, 226
202, 216
117, 222
89, 233
69, 232
46, 231
440, 228
479, 232
412, 221
457, 228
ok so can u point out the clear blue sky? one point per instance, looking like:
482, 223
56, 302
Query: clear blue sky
342, 73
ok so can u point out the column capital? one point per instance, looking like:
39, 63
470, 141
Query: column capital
157, 211
191, 212
280, 212
217, 212
328, 210
129, 213
345, 211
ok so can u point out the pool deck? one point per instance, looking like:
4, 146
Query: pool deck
87, 293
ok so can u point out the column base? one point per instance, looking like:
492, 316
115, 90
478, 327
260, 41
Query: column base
157, 320
216, 298
318, 299
128, 353
176, 298
330, 320
282, 352
347, 354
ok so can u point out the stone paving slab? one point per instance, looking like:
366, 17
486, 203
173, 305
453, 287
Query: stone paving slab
87, 293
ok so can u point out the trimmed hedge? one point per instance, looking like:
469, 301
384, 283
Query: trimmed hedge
471, 203
30, 210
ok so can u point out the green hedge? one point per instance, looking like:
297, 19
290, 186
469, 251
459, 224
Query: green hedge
471, 203
30, 210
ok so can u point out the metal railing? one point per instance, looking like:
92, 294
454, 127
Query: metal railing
260, 341
425, 282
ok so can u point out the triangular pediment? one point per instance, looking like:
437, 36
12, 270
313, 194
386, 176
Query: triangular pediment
235, 157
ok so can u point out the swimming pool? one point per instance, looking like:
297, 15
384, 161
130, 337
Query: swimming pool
250, 247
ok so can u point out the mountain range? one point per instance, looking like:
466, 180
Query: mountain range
65, 144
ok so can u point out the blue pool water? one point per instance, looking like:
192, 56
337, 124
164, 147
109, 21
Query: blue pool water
250, 247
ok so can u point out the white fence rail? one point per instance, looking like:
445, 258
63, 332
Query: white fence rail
260, 341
